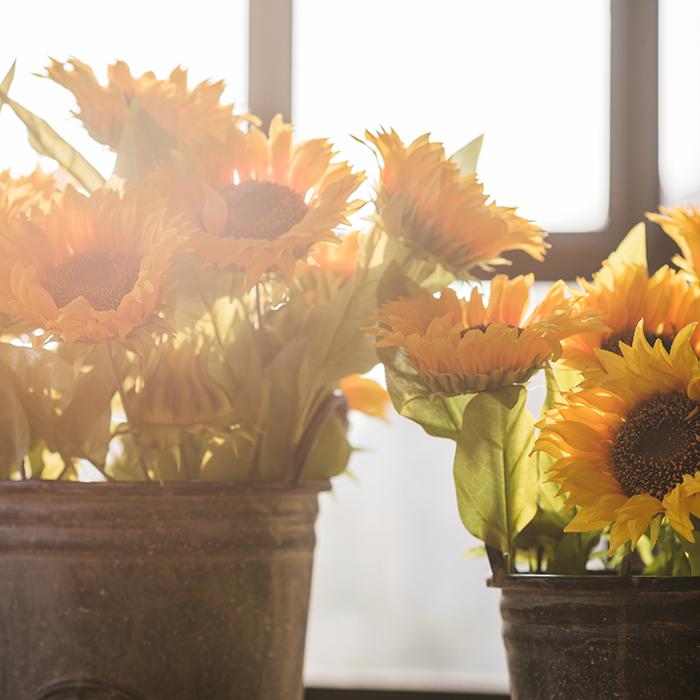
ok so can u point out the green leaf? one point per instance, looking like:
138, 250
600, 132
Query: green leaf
337, 342
496, 488
7, 82
45, 141
440, 416
556, 381
142, 146
632, 248
467, 157
331, 451
395, 284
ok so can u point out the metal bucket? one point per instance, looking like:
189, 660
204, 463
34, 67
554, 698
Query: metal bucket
602, 637
132, 591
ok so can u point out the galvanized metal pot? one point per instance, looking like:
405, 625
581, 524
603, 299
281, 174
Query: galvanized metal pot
133, 591
601, 637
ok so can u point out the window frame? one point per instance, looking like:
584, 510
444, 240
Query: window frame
634, 159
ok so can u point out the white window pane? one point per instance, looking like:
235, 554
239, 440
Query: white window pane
209, 37
395, 603
679, 101
533, 76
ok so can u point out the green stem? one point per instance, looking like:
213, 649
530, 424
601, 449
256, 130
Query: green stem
626, 563
509, 532
122, 395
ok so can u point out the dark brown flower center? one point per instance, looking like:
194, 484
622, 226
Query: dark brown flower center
612, 342
104, 278
657, 445
262, 210
483, 327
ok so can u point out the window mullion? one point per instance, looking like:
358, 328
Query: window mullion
270, 54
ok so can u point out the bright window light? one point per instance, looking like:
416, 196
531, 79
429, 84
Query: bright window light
679, 101
534, 77
209, 37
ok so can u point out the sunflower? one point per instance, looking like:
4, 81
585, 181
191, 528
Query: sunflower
626, 445
462, 346
440, 214
23, 195
92, 268
623, 294
682, 224
262, 202
183, 114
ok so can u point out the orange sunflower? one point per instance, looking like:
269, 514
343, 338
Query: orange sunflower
626, 445
262, 202
185, 115
462, 346
682, 224
91, 269
365, 395
23, 195
440, 214
623, 294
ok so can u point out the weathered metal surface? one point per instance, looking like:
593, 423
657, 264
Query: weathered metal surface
148, 592
602, 637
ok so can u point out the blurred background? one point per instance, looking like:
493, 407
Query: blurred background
591, 115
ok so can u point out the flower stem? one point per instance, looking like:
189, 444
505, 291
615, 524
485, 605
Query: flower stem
122, 395
509, 532
626, 563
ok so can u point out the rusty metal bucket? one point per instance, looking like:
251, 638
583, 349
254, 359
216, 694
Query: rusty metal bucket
132, 591
601, 637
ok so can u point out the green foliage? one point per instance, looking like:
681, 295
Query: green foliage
46, 142
496, 486
467, 157
668, 557
143, 145
66, 400
331, 450
440, 416
632, 250
557, 381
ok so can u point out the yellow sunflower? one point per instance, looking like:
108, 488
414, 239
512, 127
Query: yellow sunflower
185, 115
25, 194
92, 268
626, 445
682, 224
261, 201
441, 214
462, 346
623, 294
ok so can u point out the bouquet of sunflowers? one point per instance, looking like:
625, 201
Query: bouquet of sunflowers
207, 312
195, 317
609, 477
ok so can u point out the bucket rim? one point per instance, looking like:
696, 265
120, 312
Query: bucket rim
600, 582
106, 489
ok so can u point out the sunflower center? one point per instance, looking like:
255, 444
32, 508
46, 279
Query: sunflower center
483, 327
612, 342
657, 445
262, 210
104, 278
